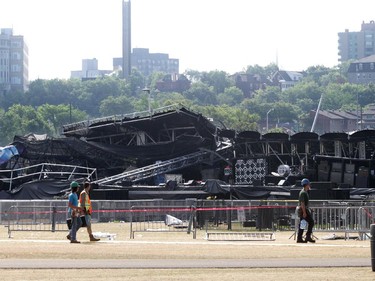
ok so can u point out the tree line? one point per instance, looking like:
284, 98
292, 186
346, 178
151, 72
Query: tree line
49, 104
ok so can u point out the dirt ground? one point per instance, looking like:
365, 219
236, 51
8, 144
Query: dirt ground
156, 245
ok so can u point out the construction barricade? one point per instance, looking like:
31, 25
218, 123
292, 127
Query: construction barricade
243, 220
163, 219
341, 219
36, 218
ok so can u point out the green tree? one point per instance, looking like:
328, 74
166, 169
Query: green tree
116, 105
55, 91
338, 95
267, 95
59, 115
3, 138
219, 80
136, 82
157, 76
231, 96
193, 75
8, 98
231, 117
21, 120
266, 71
201, 93
255, 106
166, 99
314, 73
285, 112
302, 90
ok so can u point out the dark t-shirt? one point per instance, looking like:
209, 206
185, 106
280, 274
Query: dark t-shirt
303, 197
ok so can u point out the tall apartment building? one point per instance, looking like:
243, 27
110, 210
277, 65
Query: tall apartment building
147, 63
14, 61
358, 44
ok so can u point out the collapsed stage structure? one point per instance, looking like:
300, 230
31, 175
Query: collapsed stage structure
177, 153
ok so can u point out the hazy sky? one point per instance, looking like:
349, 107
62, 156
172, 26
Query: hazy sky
203, 34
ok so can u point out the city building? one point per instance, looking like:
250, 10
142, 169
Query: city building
14, 62
344, 121
249, 83
89, 70
147, 63
362, 71
358, 44
286, 79
140, 58
367, 118
173, 83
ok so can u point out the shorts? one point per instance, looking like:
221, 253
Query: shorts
88, 220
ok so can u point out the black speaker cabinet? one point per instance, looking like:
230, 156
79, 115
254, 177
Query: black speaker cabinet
336, 177
323, 166
98, 194
362, 178
341, 194
323, 175
110, 194
320, 194
323, 185
349, 178
361, 182
336, 167
349, 168
294, 193
323, 171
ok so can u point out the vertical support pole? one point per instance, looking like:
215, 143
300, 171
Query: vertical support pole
229, 212
372, 232
131, 223
54, 212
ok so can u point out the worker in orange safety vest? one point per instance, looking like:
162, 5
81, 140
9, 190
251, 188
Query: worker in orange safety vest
85, 204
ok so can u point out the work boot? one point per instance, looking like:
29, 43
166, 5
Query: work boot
93, 239
309, 239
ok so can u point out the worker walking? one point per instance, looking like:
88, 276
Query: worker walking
74, 212
85, 204
305, 213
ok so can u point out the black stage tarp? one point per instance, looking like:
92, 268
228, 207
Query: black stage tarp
39, 189
46, 189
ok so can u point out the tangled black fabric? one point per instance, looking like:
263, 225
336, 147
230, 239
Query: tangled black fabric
38, 189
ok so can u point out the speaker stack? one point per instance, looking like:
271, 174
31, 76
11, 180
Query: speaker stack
321, 190
362, 177
323, 171
349, 174
336, 172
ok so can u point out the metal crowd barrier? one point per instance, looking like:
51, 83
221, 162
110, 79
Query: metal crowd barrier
341, 219
244, 220
163, 219
212, 215
36, 218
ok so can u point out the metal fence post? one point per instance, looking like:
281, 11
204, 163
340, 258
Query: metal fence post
54, 212
372, 231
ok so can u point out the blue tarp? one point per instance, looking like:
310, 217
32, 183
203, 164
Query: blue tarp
7, 152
